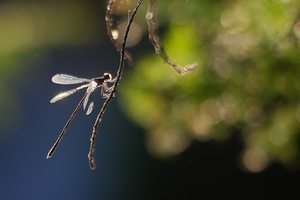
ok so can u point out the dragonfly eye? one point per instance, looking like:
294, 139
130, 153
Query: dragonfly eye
107, 76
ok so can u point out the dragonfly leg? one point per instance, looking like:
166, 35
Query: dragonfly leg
105, 90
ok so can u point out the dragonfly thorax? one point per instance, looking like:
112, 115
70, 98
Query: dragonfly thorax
102, 79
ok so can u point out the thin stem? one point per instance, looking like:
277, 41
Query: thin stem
91, 154
155, 40
109, 27
109, 23
62, 133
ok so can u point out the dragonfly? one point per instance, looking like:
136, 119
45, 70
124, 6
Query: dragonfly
91, 85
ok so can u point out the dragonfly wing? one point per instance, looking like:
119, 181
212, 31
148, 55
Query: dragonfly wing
62, 95
90, 108
91, 88
86, 100
65, 79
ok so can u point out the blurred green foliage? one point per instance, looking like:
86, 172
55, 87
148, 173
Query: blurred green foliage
247, 82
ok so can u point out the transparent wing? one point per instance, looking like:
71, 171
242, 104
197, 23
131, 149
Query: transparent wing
90, 108
65, 79
91, 88
62, 95
86, 100
67, 93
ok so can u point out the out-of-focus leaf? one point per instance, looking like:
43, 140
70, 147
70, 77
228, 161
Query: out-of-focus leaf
247, 80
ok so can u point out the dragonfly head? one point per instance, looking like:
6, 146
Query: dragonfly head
107, 76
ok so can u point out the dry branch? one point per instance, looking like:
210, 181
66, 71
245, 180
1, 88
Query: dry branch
111, 30
155, 40
91, 154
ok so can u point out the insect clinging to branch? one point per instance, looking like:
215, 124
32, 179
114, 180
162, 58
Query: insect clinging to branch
106, 83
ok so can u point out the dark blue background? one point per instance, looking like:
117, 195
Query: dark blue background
26, 174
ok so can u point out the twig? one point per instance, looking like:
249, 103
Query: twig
110, 31
155, 40
91, 154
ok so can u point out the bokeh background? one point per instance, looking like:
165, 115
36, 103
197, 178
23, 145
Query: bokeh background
229, 129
